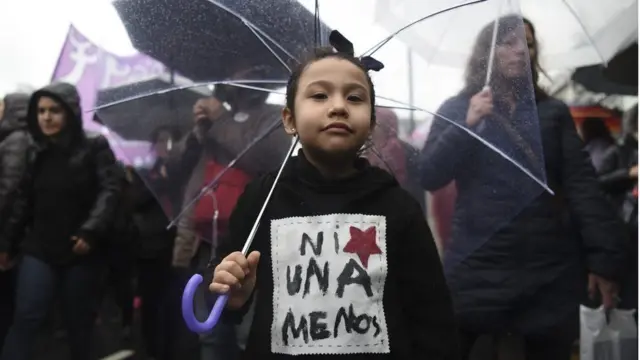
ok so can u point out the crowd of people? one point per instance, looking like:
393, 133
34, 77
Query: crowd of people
77, 225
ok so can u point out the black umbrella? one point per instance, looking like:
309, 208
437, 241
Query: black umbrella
620, 77
203, 42
136, 120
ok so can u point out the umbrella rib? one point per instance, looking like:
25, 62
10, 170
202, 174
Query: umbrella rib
266, 45
377, 47
266, 36
584, 28
477, 137
277, 123
257, 88
191, 86
442, 37
247, 22
494, 39
316, 24
396, 107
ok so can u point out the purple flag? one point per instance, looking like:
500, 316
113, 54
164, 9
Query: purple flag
91, 69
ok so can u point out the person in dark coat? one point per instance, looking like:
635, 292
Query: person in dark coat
619, 179
527, 277
154, 248
619, 171
14, 141
64, 210
597, 139
119, 257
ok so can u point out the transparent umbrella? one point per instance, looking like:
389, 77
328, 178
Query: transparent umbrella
236, 132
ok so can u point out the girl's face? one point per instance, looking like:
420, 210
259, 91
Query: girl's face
332, 108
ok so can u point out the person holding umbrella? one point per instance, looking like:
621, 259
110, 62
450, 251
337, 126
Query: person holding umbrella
526, 278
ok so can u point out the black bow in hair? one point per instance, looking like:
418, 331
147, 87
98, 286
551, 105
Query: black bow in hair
343, 45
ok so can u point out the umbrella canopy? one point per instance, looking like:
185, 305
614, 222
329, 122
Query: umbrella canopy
572, 33
136, 120
202, 41
242, 131
620, 77
496, 153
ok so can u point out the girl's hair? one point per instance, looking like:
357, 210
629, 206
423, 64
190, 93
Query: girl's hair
319, 54
477, 66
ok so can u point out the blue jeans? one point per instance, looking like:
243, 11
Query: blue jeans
36, 287
220, 343
7, 302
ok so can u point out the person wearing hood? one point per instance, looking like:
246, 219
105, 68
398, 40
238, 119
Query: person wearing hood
65, 208
14, 140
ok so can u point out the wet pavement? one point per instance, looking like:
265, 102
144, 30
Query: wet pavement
110, 342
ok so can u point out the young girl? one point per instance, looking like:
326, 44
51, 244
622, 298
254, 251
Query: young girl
344, 264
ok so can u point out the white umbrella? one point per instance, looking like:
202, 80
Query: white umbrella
572, 33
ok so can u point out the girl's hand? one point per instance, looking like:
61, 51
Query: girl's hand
236, 276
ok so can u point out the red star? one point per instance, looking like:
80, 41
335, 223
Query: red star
362, 243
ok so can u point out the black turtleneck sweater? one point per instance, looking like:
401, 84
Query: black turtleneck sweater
349, 269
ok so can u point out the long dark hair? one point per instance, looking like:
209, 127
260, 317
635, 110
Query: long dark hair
476, 70
476, 73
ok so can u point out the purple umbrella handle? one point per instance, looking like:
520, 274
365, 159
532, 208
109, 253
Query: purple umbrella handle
189, 291
187, 308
